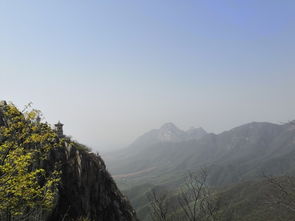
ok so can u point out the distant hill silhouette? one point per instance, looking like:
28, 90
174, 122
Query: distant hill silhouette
244, 152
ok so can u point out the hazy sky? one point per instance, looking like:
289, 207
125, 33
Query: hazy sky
111, 70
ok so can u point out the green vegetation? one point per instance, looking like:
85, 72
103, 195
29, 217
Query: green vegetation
26, 188
191, 201
269, 198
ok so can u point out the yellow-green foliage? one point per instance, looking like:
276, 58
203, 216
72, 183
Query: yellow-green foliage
24, 144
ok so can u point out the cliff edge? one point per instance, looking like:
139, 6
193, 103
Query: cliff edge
85, 190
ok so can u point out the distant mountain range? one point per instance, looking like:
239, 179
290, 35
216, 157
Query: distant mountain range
243, 152
164, 156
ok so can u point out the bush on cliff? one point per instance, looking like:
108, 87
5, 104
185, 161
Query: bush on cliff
26, 189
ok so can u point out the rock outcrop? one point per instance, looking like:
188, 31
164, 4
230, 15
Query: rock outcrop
86, 190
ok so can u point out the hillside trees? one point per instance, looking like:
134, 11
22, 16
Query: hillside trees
160, 204
281, 196
26, 189
192, 201
196, 200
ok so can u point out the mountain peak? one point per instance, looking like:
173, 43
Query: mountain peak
195, 133
169, 126
168, 132
195, 129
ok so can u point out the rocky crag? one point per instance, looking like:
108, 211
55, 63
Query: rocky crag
86, 190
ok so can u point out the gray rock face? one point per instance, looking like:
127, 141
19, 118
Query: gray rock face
87, 189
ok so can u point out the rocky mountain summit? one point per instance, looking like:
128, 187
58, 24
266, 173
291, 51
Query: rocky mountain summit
168, 132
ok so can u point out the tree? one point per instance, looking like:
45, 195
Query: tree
159, 203
26, 189
196, 199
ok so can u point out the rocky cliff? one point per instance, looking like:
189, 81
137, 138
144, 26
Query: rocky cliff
86, 191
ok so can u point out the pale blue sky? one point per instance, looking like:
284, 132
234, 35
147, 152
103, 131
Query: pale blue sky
111, 70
